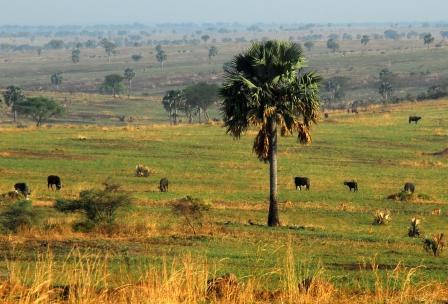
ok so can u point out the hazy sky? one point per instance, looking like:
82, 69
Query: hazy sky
243, 11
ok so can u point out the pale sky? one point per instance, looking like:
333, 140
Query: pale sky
57, 12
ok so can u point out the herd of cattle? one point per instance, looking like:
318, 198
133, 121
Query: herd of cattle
352, 184
54, 181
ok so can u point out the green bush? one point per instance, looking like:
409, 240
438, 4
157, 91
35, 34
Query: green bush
19, 215
99, 206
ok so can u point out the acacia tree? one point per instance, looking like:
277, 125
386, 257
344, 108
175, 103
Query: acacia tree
40, 109
212, 52
109, 48
205, 38
199, 97
13, 95
129, 74
266, 87
332, 45
113, 83
309, 45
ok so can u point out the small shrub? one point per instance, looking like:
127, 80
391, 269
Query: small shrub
382, 217
192, 210
99, 206
142, 171
414, 230
435, 244
19, 215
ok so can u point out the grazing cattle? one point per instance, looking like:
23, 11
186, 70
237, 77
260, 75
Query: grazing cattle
23, 189
302, 182
326, 115
414, 119
352, 185
163, 185
54, 180
409, 187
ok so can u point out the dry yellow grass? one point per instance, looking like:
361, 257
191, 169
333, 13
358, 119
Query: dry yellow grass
87, 279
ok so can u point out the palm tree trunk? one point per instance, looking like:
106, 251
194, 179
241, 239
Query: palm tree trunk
273, 219
175, 113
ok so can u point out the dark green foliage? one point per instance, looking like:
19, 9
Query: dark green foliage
113, 84
332, 45
19, 215
99, 206
192, 210
309, 45
428, 39
136, 57
198, 98
40, 109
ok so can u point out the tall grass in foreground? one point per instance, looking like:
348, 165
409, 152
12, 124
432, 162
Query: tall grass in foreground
86, 278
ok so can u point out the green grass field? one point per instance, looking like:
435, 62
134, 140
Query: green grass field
332, 227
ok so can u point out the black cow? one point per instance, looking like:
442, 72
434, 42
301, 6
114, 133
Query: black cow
163, 185
54, 180
409, 187
352, 185
23, 189
302, 182
414, 119
327, 115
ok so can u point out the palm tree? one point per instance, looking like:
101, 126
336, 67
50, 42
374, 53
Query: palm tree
56, 79
129, 74
266, 87
172, 101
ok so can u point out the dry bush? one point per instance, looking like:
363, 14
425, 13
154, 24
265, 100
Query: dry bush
382, 217
435, 244
193, 211
437, 212
142, 171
